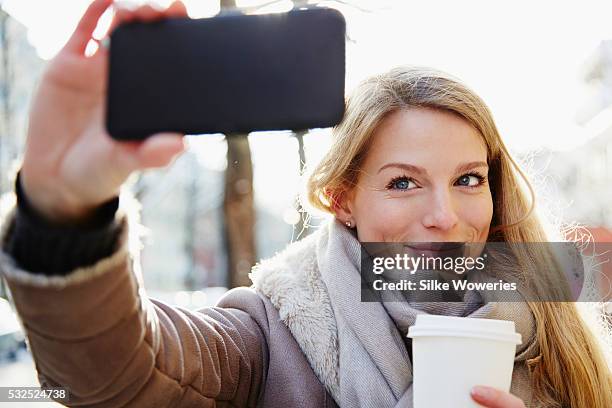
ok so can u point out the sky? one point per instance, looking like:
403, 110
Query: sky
526, 59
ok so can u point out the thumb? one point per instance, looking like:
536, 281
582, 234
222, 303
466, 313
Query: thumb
159, 150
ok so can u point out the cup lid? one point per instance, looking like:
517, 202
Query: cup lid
452, 326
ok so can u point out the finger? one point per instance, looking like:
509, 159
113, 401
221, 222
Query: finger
160, 150
176, 9
493, 398
82, 34
144, 13
125, 15
122, 16
148, 13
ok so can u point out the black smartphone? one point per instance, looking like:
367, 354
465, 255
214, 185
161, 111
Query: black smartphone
228, 74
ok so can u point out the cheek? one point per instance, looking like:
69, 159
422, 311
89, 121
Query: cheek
477, 213
386, 219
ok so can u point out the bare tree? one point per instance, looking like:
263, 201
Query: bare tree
302, 226
239, 210
238, 205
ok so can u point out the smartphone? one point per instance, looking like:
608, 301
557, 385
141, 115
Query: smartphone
229, 74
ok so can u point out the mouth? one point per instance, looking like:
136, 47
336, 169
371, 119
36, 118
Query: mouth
435, 246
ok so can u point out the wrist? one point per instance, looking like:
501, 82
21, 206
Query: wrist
39, 246
50, 208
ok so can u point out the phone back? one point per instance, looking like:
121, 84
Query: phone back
228, 74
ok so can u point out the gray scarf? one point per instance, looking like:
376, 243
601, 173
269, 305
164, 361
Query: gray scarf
374, 366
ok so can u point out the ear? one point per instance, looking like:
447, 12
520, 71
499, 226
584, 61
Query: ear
342, 205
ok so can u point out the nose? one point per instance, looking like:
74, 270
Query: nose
441, 213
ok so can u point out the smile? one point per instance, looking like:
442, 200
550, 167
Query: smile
435, 246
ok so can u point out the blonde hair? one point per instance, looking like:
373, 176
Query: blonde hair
571, 369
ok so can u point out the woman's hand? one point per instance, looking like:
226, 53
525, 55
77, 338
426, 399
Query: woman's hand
71, 165
493, 398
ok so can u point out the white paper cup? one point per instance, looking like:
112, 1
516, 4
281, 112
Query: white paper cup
452, 354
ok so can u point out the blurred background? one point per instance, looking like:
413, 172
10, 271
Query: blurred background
544, 68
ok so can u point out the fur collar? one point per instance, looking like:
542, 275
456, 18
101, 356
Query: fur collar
292, 282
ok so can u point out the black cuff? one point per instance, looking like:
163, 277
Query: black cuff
42, 247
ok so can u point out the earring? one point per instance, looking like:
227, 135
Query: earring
349, 224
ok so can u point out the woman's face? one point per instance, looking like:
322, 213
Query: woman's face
424, 179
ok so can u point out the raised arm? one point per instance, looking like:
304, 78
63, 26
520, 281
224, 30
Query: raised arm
90, 326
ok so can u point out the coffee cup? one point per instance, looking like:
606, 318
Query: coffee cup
453, 354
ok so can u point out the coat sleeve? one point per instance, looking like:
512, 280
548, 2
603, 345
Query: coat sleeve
95, 332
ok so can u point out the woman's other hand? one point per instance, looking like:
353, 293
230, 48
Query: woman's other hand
493, 398
71, 165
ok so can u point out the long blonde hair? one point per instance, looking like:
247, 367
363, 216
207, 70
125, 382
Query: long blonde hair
571, 369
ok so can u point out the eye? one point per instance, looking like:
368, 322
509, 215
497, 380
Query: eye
401, 183
470, 180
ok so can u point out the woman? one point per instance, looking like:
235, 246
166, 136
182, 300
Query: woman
417, 158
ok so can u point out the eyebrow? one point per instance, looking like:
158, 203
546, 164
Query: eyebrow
420, 170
